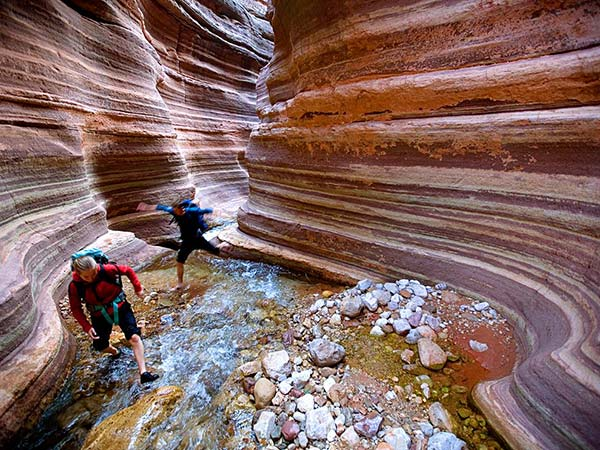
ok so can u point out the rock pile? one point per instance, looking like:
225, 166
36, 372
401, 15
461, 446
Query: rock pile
306, 397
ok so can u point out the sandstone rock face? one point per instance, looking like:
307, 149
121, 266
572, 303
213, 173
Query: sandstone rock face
104, 104
450, 141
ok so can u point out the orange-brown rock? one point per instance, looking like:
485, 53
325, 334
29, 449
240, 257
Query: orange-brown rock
104, 104
132, 427
453, 141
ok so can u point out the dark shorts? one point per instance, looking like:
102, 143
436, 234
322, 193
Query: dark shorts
127, 324
188, 247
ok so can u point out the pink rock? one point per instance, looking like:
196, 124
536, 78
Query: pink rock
290, 430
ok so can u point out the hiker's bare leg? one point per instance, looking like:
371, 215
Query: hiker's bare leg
180, 267
138, 352
110, 349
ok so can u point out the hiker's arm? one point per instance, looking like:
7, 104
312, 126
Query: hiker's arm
77, 310
130, 273
147, 207
200, 210
163, 208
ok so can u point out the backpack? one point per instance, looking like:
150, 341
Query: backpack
98, 255
101, 258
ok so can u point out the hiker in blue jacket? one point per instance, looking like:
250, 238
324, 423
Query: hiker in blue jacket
190, 219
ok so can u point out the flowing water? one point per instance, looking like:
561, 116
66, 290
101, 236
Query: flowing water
196, 339
201, 337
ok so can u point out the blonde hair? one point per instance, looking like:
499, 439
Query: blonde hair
84, 263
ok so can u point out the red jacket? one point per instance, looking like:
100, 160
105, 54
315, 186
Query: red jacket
99, 292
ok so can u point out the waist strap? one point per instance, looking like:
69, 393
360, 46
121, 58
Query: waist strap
115, 305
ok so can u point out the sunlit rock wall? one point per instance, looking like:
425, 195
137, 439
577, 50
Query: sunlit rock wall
450, 141
104, 104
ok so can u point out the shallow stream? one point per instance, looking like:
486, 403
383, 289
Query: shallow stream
201, 336
196, 339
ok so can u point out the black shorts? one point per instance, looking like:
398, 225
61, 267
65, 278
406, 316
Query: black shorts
127, 324
188, 247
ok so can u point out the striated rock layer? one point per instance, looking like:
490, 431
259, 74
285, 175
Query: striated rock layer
455, 141
104, 104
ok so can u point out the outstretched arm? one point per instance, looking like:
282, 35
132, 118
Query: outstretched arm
200, 210
146, 207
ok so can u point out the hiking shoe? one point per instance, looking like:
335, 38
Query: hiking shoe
148, 377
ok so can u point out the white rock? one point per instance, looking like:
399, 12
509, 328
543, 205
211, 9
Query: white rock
401, 326
370, 302
285, 387
418, 289
318, 423
414, 303
306, 403
377, 331
481, 306
425, 390
390, 396
331, 435
302, 439
365, 284
391, 287
426, 428
277, 365
350, 438
405, 313
299, 379
478, 346
299, 417
381, 322
439, 417
278, 399
264, 426
383, 297
328, 383
397, 438
445, 441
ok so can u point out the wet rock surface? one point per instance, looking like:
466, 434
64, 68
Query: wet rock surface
132, 427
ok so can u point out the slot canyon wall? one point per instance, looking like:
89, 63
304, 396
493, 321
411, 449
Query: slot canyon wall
454, 141
104, 104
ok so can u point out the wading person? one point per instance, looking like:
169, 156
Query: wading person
190, 219
99, 287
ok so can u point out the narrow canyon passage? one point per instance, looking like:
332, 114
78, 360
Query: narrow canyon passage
439, 142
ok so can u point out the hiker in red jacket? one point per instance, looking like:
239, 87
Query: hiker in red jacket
99, 287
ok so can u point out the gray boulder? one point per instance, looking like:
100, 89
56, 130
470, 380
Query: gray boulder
324, 353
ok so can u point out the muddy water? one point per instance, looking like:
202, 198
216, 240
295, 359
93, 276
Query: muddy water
195, 340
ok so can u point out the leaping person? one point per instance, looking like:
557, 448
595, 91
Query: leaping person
190, 219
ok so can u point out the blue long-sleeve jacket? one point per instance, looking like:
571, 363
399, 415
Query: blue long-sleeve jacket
189, 222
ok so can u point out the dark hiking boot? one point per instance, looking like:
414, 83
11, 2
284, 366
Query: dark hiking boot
148, 377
